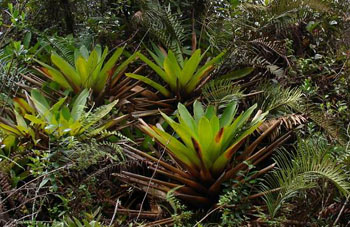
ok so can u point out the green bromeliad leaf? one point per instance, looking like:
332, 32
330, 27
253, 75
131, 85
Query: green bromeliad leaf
90, 70
150, 82
206, 141
56, 120
182, 77
66, 69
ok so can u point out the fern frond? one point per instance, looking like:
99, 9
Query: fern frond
289, 121
165, 26
93, 117
221, 92
328, 124
300, 171
248, 54
84, 155
64, 46
277, 99
113, 150
275, 46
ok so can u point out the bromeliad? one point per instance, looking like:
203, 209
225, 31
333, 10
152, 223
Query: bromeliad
91, 70
206, 151
182, 77
208, 141
36, 118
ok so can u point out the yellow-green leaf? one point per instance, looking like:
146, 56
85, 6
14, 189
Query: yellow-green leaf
66, 69
150, 82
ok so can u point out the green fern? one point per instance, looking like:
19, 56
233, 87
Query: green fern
329, 125
64, 46
180, 213
93, 118
84, 155
278, 99
165, 26
221, 92
300, 171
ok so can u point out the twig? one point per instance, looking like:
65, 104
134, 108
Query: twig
115, 212
341, 211
46, 174
207, 215
149, 184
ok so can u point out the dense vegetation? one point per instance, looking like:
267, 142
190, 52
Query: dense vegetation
174, 113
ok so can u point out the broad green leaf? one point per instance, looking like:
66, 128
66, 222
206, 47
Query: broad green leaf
21, 104
77, 53
172, 69
230, 131
228, 115
65, 113
20, 120
26, 40
210, 112
222, 161
34, 120
125, 64
9, 141
93, 60
84, 52
10, 129
246, 115
215, 124
181, 131
180, 151
237, 74
66, 69
75, 128
205, 136
55, 108
190, 67
202, 72
54, 75
156, 68
196, 79
158, 56
98, 49
237, 124
94, 65
82, 67
41, 104
103, 75
150, 82
186, 116
211, 62
79, 105
198, 110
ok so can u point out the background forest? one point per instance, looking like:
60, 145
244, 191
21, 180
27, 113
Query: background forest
174, 113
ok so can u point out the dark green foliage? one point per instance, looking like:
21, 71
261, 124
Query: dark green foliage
69, 160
